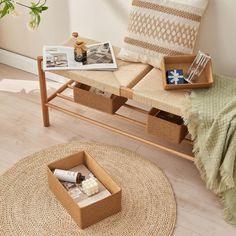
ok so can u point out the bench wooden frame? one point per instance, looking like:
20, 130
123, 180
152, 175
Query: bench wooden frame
124, 91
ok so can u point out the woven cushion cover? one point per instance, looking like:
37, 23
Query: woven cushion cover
161, 27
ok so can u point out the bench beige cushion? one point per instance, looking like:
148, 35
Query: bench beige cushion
126, 75
147, 89
150, 91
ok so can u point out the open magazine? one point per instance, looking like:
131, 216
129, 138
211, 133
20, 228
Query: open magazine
100, 56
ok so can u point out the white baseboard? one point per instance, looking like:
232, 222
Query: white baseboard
26, 64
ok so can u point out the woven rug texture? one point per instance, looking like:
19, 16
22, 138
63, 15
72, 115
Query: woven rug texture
28, 207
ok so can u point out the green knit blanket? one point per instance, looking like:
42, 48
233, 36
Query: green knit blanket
211, 119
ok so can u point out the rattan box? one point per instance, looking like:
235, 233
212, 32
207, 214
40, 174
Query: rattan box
87, 215
110, 105
171, 131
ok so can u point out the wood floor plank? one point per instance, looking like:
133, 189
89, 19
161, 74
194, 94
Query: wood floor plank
22, 133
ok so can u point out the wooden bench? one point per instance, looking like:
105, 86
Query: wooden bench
135, 81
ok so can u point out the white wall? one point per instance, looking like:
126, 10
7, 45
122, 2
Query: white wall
100, 19
54, 29
217, 35
107, 20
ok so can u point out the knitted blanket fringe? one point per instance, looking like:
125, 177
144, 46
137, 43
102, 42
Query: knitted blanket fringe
194, 119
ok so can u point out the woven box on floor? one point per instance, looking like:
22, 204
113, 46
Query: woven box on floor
87, 215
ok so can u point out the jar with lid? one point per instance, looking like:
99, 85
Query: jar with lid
80, 49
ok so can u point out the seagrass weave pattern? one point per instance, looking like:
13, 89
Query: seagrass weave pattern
164, 29
161, 27
28, 207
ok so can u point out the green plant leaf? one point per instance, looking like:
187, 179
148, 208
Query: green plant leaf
44, 8
36, 8
6, 9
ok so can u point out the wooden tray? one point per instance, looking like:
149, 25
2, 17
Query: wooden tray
183, 62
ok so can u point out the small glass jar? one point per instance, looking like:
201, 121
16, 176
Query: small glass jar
80, 51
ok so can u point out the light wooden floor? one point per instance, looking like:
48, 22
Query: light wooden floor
22, 133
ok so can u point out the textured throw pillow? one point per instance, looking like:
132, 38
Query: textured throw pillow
161, 27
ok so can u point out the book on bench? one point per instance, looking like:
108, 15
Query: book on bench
100, 56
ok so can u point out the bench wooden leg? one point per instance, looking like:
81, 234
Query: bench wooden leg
43, 92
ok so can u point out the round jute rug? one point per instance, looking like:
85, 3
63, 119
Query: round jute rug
27, 206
